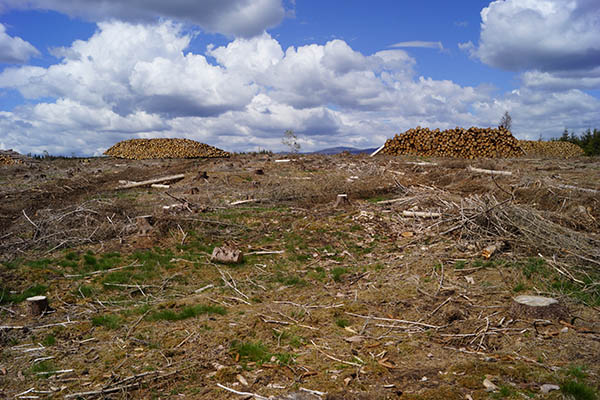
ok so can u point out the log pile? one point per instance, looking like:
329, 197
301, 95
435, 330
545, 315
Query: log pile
458, 143
138, 149
551, 149
10, 157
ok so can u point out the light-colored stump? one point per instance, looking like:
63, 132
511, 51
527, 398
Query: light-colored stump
538, 307
38, 305
342, 200
227, 255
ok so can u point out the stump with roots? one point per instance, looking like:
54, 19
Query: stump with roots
538, 307
38, 305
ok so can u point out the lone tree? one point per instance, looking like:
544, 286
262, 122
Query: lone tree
291, 140
506, 121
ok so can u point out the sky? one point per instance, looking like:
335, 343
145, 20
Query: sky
77, 76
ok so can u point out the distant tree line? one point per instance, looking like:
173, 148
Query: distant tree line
588, 140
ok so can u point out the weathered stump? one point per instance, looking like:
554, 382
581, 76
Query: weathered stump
143, 225
342, 200
227, 255
538, 307
38, 305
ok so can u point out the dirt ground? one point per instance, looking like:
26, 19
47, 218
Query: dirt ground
359, 300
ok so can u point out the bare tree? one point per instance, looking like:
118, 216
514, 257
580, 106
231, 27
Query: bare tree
291, 140
506, 121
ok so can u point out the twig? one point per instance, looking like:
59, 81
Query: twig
402, 321
256, 396
334, 358
440, 306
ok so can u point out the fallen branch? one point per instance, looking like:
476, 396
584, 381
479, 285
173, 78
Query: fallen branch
402, 321
489, 171
256, 396
151, 181
334, 358
421, 214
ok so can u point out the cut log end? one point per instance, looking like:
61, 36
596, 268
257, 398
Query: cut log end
38, 305
538, 307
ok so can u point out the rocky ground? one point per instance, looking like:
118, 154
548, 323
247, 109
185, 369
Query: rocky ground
405, 291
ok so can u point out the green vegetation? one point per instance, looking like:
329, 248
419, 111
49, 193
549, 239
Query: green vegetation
49, 340
337, 272
44, 368
342, 323
578, 390
7, 297
186, 312
589, 140
109, 321
259, 353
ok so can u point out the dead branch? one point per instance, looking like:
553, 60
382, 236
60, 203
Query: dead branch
489, 171
151, 181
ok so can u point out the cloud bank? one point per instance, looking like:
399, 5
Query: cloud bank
14, 50
239, 18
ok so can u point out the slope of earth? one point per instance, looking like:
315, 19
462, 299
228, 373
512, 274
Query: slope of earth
405, 291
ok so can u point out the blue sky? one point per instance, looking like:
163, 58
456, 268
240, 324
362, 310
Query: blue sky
77, 76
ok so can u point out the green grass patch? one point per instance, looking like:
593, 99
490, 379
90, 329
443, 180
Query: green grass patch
337, 273
7, 297
290, 280
259, 353
109, 321
85, 291
44, 369
49, 340
342, 323
578, 391
186, 312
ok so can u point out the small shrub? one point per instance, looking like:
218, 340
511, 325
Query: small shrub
49, 340
337, 273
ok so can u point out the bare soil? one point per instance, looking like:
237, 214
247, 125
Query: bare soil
350, 302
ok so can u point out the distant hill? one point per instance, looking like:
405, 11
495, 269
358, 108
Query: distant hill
340, 149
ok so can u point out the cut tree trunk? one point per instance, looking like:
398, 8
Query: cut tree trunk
227, 255
38, 305
538, 307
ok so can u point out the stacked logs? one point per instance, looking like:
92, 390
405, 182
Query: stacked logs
138, 149
10, 157
551, 149
458, 143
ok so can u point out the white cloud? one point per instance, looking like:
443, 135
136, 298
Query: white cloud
420, 43
545, 35
14, 50
243, 18
133, 80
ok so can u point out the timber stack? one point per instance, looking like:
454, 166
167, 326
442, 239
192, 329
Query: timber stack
139, 149
457, 143
553, 149
10, 157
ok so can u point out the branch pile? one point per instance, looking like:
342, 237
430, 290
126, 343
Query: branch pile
138, 149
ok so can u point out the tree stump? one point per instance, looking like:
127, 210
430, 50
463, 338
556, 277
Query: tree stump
342, 200
227, 255
38, 305
143, 225
538, 307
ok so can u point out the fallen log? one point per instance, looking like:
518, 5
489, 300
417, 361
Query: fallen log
489, 171
151, 181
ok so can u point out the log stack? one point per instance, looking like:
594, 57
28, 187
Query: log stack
10, 157
554, 149
138, 149
457, 143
